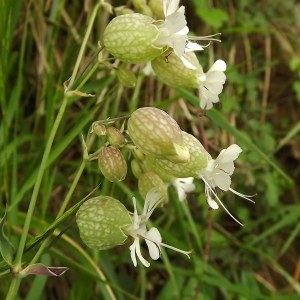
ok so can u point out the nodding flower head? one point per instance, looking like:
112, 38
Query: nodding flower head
173, 32
170, 69
217, 174
183, 186
136, 38
157, 135
138, 230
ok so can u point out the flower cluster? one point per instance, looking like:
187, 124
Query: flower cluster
162, 154
137, 38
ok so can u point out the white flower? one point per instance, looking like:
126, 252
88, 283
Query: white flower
139, 230
217, 174
147, 70
211, 84
173, 32
183, 186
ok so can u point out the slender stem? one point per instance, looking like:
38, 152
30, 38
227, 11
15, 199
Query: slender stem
58, 119
18, 259
13, 289
83, 45
37, 185
61, 211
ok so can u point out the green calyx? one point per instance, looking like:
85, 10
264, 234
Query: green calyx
157, 135
148, 181
100, 221
171, 70
126, 78
199, 158
129, 38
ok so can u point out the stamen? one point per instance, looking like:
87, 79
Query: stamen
221, 201
243, 196
168, 246
204, 38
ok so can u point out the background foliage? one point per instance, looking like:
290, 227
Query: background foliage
260, 111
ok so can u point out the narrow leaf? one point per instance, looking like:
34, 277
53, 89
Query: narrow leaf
40, 269
6, 248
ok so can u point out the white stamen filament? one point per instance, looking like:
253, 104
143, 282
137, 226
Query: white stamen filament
204, 38
242, 196
167, 246
221, 201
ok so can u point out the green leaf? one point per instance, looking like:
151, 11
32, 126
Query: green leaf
6, 248
36, 240
214, 16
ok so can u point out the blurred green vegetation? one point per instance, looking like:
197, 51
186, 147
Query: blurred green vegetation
259, 110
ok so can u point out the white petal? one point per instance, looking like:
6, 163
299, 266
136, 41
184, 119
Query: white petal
206, 98
212, 203
187, 63
227, 168
214, 82
153, 199
178, 44
139, 254
190, 46
132, 251
181, 9
183, 186
153, 244
222, 180
175, 22
154, 235
136, 219
219, 65
229, 154
148, 69
184, 31
170, 6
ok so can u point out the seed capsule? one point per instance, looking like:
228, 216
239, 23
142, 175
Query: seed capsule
100, 221
112, 164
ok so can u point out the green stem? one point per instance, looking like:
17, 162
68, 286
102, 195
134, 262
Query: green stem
13, 289
18, 259
84, 42
61, 211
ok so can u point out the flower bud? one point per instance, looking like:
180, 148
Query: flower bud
145, 10
158, 135
127, 78
149, 180
157, 8
99, 129
123, 10
115, 137
198, 160
141, 7
112, 164
100, 221
136, 168
171, 70
139, 154
129, 38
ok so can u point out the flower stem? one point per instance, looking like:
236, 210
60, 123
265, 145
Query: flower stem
13, 289
18, 259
